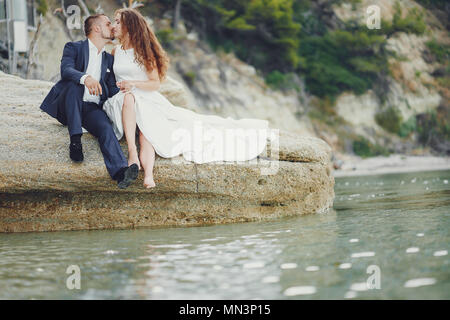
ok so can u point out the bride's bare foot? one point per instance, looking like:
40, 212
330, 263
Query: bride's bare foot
148, 182
133, 158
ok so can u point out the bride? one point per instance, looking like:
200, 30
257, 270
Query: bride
140, 64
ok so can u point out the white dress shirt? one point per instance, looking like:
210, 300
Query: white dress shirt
94, 70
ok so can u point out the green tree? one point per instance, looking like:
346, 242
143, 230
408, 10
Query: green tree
261, 32
342, 60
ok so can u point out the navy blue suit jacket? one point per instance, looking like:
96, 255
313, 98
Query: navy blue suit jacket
74, 63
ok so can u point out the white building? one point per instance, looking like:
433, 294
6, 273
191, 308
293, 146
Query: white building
18, 19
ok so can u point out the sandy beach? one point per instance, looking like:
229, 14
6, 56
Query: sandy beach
356, 166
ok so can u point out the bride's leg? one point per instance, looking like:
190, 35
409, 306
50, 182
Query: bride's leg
147, 156
129, 128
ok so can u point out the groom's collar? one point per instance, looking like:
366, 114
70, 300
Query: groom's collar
92, 47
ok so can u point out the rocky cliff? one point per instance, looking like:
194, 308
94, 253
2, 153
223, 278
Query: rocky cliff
42, 190
412, 88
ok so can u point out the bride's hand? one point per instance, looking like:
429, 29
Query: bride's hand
125, 86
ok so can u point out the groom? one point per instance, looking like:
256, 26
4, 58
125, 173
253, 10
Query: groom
87, 81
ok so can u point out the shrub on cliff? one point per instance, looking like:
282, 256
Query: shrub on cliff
439, 51
364, 148
408, 127
265, 26
281, 81
390, 119
166, 37
440, 4
42, 7
342, 60
434, 123
412, 22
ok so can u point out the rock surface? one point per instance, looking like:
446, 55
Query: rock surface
42, 190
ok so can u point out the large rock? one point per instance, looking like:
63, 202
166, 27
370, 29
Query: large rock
42, 190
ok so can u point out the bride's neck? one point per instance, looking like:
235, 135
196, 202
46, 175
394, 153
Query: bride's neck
126, 44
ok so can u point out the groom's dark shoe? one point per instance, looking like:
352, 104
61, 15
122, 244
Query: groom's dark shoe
76, 151
127, 175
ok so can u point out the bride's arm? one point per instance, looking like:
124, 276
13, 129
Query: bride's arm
152, 84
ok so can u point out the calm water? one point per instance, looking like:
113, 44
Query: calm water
397, 223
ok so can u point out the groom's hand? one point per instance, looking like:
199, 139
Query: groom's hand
93, 86
124, 86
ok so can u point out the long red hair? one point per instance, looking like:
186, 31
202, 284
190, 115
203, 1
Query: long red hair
148, 52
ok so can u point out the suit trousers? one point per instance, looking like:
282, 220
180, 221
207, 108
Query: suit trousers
76, 113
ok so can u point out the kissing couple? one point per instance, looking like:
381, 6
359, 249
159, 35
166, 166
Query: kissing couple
112, 95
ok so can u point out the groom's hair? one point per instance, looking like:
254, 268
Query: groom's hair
89, 22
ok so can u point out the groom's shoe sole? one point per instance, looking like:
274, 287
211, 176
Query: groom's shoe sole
130, 174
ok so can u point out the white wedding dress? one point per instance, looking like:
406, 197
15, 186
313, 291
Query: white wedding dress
175, 130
